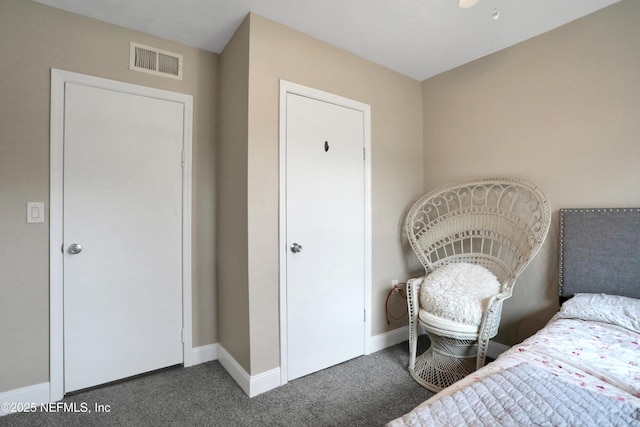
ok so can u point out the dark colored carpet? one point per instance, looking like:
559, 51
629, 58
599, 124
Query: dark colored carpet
366, 391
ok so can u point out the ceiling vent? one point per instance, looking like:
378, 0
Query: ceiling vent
155, 61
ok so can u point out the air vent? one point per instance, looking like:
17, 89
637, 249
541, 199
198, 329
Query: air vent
155, 61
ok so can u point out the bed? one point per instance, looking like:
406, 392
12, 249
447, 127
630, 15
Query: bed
583, 367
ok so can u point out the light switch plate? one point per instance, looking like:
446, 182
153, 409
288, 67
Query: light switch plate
35, 212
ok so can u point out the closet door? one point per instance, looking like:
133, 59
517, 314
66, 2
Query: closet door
325, 229
122, 235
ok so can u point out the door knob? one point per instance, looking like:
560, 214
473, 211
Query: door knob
75, 249
295, 248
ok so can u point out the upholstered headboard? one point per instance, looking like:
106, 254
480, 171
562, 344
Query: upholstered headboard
600, 252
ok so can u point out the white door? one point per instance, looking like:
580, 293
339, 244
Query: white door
325, 211
123, 206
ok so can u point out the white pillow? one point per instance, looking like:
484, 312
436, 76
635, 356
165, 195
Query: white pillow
459, 292
613, 309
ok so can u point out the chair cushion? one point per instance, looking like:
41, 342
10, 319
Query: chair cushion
457, 292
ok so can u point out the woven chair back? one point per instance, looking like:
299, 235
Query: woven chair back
498, 223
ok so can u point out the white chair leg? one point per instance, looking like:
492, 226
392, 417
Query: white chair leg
413, 288
483, 344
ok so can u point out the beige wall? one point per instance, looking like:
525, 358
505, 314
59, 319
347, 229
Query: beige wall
33, 39
561, 110
232, 258
277, 52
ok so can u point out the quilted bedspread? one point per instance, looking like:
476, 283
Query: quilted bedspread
581, 369
523, 395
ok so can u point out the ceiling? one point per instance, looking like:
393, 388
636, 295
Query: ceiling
418, 38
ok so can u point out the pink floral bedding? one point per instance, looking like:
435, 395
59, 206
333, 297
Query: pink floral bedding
577, 370
594, 355
591, 343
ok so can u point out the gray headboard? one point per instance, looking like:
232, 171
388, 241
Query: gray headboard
600, 251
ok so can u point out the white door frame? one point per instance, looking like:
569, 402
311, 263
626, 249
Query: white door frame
289, 87
56, 261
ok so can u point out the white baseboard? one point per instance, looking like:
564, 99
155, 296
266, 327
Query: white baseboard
387, 339
205, 353
234, 369
19, 399
264, 382
12, 400
251, 385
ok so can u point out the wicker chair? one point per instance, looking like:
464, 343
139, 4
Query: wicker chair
498, 224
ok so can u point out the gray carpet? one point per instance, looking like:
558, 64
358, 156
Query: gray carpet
366, 391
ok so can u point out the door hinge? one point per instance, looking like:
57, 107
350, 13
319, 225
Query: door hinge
365, 314
182, 159
364, 153
182, 335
